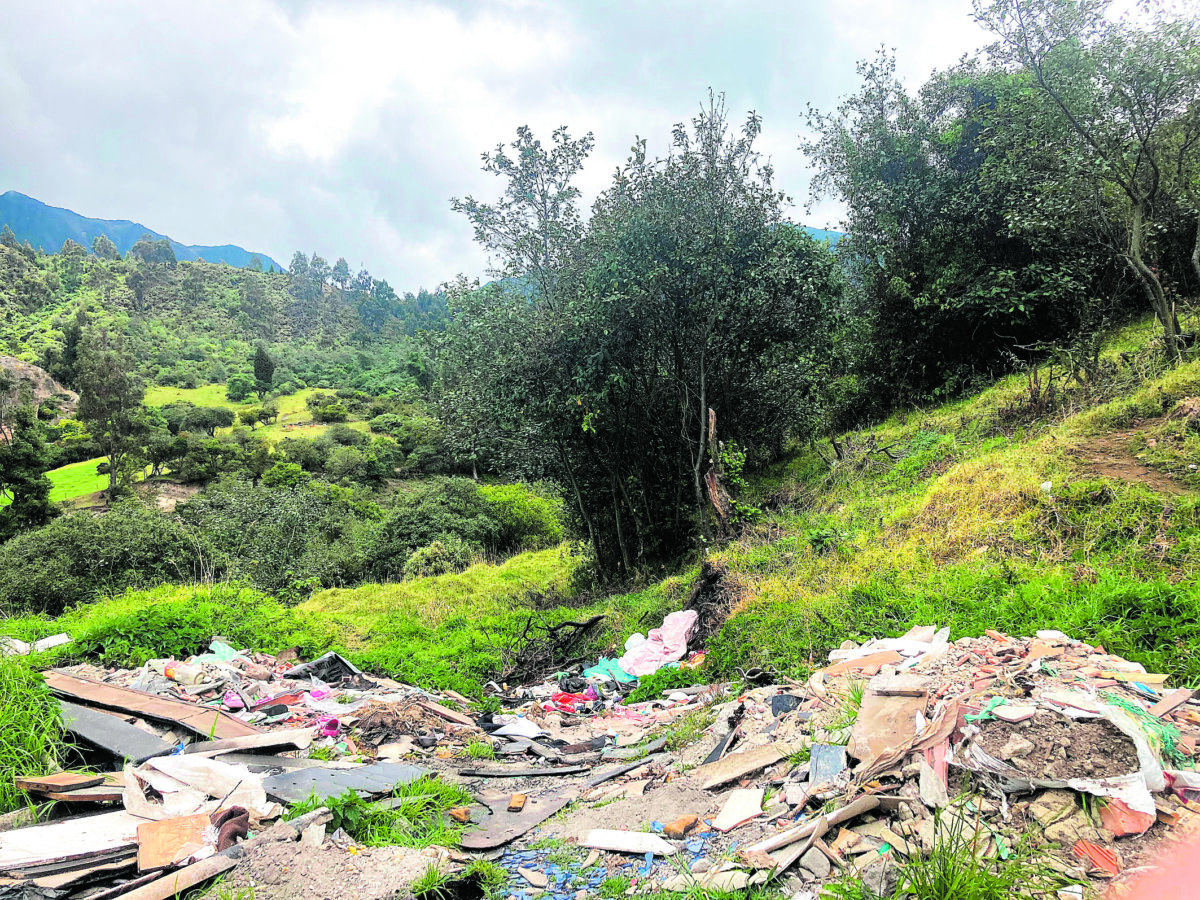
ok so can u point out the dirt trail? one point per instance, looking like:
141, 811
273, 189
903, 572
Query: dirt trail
1110, 457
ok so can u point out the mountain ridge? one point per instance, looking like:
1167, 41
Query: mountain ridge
48, 226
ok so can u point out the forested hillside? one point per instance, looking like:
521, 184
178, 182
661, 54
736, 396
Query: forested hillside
194, 323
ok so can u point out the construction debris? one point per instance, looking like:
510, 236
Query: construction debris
856, 772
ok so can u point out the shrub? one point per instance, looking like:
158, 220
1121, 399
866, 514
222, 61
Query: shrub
333, 412
81, 555
525, 518
443, 556
29, 729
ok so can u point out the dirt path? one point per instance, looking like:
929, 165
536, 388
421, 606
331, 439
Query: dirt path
1110, 457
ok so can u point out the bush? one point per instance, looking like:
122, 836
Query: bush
80, 555
526, 519
29, 729
333, 412
443, 556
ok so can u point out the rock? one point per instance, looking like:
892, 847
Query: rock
461, 814
702, 865
581, 894
726, 881
880, 877
933, 792
815, 862
681, 826
1074, 828
1052, 806
912, 770
1017, 747
534, 877
795, 793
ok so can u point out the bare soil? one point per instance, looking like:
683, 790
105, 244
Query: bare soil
1063, 748
1109, 457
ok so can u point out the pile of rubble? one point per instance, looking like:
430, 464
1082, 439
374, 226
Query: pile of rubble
1044, 747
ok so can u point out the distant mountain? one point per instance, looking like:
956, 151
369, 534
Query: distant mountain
48, 226
822, 234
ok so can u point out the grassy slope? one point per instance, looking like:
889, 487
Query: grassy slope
959, 532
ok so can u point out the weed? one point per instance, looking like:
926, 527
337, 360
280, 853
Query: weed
413, 817
491, 877
851, 704
666, 679
614, 888
432, 885
481, 750
689, 729
562, 857
325, 754
30, 732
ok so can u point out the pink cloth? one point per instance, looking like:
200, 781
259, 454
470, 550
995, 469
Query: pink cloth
662, 645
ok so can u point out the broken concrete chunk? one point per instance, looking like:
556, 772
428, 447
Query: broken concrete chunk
1017, 747
534, 877
933, 791
1013, 713
1053, 806
816, 864
743, 805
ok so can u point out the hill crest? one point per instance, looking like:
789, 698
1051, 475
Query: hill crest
48, 226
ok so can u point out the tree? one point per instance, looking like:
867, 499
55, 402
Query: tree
250, 416
341, 273
8, 239
110, 404
72, 258
104, 248
23, 462
239, 387
1126, 94
208, 419
255, 264
153, 252
264, 371
535, 225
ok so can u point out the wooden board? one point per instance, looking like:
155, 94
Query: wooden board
1170, 702
203, 721
177, 883
61, 781
162, 843
69, 844
101, 793
121, 739
448, 714
524, 773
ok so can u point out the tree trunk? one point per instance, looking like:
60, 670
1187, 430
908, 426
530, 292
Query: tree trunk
620, 533
1154, 289
698, 462
1196, 252
587, 520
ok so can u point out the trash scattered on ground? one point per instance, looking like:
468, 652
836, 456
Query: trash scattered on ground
1042, 745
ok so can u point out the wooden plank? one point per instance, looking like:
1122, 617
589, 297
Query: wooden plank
448, 714
609, 774
295, 738
203, 721
69, 843
1171, 702
61, 781
516, 802
121, 739
101, 793
165, 842
173, 885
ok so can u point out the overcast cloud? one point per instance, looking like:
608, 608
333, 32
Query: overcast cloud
345, 127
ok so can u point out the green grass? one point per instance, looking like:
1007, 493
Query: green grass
418, 821
73, 481
29, 729
208, 395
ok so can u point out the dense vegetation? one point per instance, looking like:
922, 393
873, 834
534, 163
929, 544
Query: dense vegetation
842, 441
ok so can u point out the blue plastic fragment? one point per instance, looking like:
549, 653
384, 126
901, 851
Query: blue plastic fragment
696, 845
657, 827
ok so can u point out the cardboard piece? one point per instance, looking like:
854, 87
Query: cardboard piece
885, 726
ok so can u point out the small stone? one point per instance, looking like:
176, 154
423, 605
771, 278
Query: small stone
700, 866
534, 877
581, 894
1052, 806
880, 877
1017, 747
912, 770
461, 814
815, 862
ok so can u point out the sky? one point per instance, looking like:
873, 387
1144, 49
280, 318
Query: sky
345, 127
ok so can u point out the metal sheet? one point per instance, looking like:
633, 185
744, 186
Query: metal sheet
121, 739
297, 786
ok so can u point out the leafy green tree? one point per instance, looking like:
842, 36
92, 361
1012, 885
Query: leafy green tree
250, 416
24, 459
208, 419
8, 239
341, 273
104, 248
264, 371
239, 387
1123, 97
153, 252
535, 224
110, 404
72, 261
